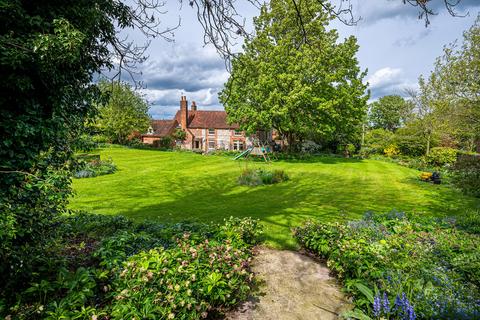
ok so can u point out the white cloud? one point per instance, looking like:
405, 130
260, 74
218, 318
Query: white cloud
384, 76
387, 81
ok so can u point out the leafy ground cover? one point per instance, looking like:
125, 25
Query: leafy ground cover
401, 266
182, 186
108, 267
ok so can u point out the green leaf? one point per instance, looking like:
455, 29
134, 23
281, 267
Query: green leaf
365, 290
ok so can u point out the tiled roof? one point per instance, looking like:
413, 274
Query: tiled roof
163, 127
207, 119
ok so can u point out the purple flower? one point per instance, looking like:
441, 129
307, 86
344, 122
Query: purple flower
411, 312
386, 303
377, 307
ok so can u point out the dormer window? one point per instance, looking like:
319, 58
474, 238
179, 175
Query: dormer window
150, 130
211, 132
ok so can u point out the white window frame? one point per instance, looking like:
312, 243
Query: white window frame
237, 133
210, 133
210, 142
237, 144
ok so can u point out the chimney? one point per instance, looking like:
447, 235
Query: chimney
183, 112
194, 106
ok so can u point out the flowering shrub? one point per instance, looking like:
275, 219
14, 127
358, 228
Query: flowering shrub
112, 268
256, 177
402, 267
187, 282
391, 151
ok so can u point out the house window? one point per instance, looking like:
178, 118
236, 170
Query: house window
211, 132
237, 145
237, 133
197, 144
150, 130
211, 144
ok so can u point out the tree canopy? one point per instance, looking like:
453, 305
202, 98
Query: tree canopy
389, 112
296, 81
125, 113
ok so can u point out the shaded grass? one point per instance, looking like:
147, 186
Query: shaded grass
180, 186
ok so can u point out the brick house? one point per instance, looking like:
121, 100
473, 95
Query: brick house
205, 130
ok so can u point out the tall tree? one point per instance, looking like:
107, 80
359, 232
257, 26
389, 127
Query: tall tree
389, 112
125, 112
455, 82
297, 78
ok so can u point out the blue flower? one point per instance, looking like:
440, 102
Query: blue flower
386, 303
377, 307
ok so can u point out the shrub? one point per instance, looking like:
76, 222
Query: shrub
441, 156
391, 151
466, 174
95, 168
129, 270
164, 142
427, 267
377, 140
186, 282
256, 177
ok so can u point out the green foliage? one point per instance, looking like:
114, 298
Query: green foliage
466, 174
389, 112
95, 168
111, 267
455, 82
257, 177
179, 134
377, 140
441, 156
163, 143
412, 140
49, 52
424, 266
299, 81
125, 113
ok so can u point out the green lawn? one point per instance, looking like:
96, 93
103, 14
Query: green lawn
179, 186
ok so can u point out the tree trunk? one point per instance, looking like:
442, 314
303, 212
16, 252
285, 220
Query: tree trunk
428, 145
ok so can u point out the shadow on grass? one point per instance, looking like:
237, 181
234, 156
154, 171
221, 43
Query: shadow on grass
285, 205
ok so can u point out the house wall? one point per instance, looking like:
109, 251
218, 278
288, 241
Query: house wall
223, 139
149, 140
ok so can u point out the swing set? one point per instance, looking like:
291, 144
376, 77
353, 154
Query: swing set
258, 149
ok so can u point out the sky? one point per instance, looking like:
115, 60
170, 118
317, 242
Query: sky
395, 47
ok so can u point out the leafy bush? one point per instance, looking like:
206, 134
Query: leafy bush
164, 142
428, 268
377, 140
466, 174
186, 282
112, 268
257, 177
96, 168
391, 151
441, 156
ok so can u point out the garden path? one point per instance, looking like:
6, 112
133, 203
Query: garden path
294, 286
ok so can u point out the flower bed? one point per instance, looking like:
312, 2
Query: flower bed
95, 168
111, 268
257, 177
401, 267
